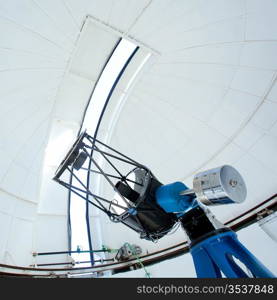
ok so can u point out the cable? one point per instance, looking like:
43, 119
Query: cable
138, 259
169, 231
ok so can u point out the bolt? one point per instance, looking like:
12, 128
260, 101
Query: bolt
233, 183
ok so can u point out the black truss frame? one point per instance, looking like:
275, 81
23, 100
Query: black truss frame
84, 143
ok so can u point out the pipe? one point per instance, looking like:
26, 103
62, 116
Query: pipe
72, 263
75, 251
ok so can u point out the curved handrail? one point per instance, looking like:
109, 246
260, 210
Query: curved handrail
169, 252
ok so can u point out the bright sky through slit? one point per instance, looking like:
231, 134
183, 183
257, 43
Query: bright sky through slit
97, 101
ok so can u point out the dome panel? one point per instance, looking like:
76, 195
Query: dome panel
221, 54
272, 95
257, 25
26, 14
265, 117
5, 223
259, 55
252, 81
61, 16
21, 233
225, 31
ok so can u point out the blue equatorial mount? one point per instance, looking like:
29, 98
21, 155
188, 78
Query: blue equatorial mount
214, 247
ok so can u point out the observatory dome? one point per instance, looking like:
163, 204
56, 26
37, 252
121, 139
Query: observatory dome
199, 92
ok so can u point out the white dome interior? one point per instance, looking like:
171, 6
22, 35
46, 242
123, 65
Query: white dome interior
206, 96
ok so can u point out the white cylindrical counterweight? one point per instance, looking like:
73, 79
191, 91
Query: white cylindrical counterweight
222, 185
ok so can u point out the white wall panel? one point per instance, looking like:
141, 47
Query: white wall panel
209, 73
124, 13
258, 24
266, 115
72, 98
262, 55
147, 24
56, 204
265, 150
273, 93
23, 60
17, 38
14, 179
225, 31
60, 16
273, 130
50, 235
260, 6
27, 15
252, 81
260, 180
248, 136
7, 202
5, 223
19, 246
4, 164
25, 210
225, 54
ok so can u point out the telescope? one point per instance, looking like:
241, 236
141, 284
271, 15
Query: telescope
139, 200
